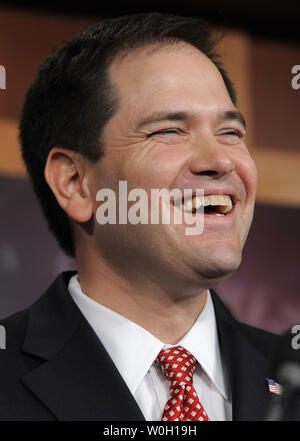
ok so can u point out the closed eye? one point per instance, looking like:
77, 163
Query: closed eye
231, 136
162, 132
233, 132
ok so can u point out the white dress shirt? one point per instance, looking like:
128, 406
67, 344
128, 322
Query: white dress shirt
133, 351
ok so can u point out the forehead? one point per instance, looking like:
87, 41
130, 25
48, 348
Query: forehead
146, 72
155, 79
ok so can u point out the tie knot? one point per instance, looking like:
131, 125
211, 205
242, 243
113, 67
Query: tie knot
177, 364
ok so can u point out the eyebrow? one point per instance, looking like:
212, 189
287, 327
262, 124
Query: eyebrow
231, 115
228, 115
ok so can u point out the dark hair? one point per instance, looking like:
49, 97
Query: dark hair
71, 98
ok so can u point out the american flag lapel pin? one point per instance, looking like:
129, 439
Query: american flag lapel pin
274, 388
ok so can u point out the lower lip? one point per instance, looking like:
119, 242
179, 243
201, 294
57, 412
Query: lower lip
219, 220
213, 219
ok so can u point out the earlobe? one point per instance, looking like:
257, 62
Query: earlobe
65, 175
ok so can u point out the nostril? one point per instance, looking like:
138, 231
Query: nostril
208, 173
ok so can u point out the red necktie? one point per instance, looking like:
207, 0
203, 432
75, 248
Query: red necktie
179, 365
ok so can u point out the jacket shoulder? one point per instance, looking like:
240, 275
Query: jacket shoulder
17, 402
265, 341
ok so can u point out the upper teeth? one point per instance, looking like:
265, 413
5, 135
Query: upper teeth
223, 201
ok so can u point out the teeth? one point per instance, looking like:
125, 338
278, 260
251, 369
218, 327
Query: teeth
197, 202
188, 205
222, 201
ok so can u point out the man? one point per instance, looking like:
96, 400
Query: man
139, 99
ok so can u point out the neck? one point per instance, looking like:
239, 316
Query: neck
166, 314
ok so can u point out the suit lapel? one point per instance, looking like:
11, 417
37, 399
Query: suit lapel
247, 367
77, 380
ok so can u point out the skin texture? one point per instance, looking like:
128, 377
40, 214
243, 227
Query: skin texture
156, 275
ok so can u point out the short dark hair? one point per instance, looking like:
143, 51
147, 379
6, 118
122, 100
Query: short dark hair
71, 99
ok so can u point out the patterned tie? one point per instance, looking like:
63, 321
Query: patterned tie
179, 365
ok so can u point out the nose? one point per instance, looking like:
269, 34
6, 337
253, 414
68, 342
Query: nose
211, 160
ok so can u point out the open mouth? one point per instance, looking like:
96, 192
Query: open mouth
220, 205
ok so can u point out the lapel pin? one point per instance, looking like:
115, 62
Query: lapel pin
274, 388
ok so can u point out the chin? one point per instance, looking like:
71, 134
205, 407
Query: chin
215, 276
215, 269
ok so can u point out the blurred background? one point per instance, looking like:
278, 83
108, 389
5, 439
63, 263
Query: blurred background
260, 47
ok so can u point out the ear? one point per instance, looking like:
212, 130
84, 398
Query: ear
66, 173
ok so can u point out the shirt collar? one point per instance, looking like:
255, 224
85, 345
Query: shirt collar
133, 349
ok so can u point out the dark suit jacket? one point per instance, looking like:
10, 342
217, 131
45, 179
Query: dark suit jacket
55, 368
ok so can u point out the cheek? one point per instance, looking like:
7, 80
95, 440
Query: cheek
156, 168
247, 171
252, 177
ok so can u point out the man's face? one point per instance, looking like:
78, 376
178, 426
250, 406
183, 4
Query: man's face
201, 145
